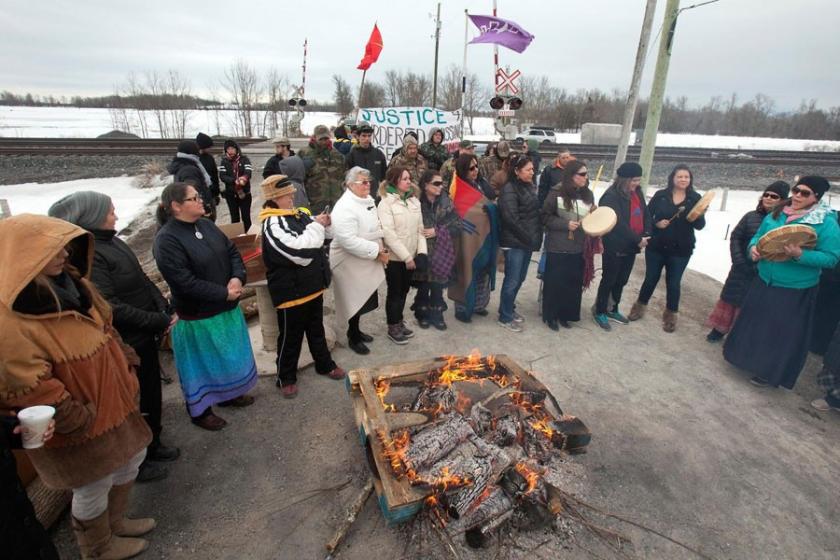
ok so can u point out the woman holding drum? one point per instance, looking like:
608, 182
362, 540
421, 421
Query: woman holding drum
673, 214
743, 269
566, 204
795, 241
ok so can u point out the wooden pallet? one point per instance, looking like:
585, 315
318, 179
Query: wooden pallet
398, 500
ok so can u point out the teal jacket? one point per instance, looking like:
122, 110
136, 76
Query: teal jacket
803, 272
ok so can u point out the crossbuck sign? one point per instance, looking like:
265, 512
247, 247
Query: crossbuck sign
505, 81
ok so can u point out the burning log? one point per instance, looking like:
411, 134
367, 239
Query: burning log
438, 398
493, 503
506, 432
481, 419
432, 444
480, 472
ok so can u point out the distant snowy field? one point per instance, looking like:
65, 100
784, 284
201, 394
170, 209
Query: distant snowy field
36, 198
68, 122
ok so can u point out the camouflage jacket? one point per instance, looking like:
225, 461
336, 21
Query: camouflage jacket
447, 170
435, 154
416, 167
489, 165
324, 176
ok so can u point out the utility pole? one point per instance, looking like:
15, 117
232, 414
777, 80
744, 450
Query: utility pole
657, 91
633, 95
437, 48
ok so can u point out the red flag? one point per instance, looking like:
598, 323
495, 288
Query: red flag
464, 196
372, 49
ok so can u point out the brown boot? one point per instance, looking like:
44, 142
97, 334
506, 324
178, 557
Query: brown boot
669, 321
637, 311
121, 525
96, 542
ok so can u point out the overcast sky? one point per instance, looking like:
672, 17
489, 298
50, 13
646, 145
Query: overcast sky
788, 50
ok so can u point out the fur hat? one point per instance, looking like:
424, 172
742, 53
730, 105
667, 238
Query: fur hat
502, 149
781, 188
816, 183
188, 147
629, 169
203, 141
276, 186
321, 131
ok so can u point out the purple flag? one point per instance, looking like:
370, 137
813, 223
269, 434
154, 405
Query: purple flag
501, 32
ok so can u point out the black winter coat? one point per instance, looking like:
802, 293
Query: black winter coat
550, 176
678, 238
623, 240
743, 269
369, 158
282, 240
520, 213
209, 164
272, 166
186, 171
228, 174
140, 310
197, 270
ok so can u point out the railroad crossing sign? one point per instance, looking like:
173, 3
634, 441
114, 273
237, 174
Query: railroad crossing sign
505, 81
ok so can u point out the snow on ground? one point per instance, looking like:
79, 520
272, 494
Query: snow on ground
70, 122
36, 198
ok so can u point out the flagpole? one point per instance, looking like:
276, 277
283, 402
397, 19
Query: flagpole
359, 99
464, 73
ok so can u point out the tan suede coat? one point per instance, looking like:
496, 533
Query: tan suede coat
66, 359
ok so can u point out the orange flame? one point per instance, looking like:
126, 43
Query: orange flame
394, 449
464, 369
462, 403
382, 387
446, 480
530, 475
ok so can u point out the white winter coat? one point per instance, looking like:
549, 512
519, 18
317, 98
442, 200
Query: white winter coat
357, 240
402, 223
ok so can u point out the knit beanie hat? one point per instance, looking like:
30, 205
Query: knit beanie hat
203, 141
408, 140
816, 183
321, 132
188, 147
781, 188
629, 169
231, 144
86, 209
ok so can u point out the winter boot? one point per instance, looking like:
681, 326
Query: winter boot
121, 525
423, 315
97, 542
669, 321
637, 311
436, 318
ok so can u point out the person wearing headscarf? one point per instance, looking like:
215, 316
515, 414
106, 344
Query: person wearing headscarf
210, 341
434, 149
771, 335
59, 348
298, 276
743, 269
141, 313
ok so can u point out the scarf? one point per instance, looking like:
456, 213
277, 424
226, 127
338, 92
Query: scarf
191, 157
393, 190
267, 213
591, 247
816, 214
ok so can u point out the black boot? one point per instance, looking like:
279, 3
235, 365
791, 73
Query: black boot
715, 335
421, 313
149, 472
437, 318
159, 452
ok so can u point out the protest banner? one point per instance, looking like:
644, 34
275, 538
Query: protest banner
390, 125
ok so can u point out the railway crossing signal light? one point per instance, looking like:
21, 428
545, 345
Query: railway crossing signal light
505, 101
515, 103
497, 103
297, 102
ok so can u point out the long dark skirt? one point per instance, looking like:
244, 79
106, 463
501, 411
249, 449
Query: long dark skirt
826, 314
771, 335
562, 286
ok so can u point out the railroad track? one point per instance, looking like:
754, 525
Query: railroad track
167, 147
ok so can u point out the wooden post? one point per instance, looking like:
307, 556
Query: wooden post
4, 209
633, 94
268, 317
723, 199
657, 91
359, 100
437, 49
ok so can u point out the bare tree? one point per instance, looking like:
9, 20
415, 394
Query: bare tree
179, 95
343, 96
373, 95
276, 118
449, 90
243, 88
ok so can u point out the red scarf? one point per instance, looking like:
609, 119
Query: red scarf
637, 222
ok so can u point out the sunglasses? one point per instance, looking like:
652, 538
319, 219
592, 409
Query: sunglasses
771, 196
473, 167
436, 183
584, 174
195, 198
806, 193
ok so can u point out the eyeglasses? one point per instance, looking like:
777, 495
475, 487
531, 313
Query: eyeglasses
362, 182
473, 167
805, 193
195, 198
771, 196
584, 174
436, 183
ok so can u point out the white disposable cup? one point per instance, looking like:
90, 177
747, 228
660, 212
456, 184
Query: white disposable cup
34, 421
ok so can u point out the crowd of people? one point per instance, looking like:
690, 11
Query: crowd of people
337, 216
